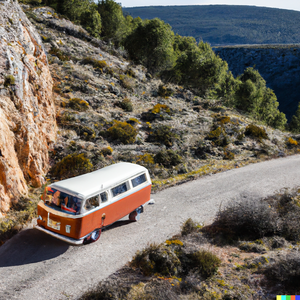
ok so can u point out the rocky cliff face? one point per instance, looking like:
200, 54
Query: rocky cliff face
279, 66
27, 112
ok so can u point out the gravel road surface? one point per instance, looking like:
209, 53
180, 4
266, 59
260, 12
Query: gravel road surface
35, 266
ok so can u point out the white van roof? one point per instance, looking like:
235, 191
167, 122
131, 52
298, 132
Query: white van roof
102, 179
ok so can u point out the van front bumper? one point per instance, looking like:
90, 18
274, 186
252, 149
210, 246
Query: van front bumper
61, 237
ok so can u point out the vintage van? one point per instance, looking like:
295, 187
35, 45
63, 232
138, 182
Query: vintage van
75, 210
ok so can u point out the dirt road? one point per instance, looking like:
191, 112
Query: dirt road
35, 266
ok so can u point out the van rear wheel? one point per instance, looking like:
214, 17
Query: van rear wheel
93, 237
134, 216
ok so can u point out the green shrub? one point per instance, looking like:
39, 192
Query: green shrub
125, 104
291, 142
127, 82
252, 219
228, 155
223, 120
214, 134
202, 149
9, 80
163, 134
204, 262
158, 259
247, 219
288, 207
154, 289
60, 54
219, 137
159, 111
72, 165
106, 151
123, 132
146, 159
252, 247
165, 91
100, 64
256, 131
189, 226
285, 270
78, 104
108, 290
17, 217
167, 158
86, 133
159, 107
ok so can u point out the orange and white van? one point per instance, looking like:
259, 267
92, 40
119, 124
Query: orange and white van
75, 210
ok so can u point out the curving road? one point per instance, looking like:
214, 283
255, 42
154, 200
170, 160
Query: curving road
36, 266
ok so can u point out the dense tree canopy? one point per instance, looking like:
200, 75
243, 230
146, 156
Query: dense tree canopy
113, 20
253, 96
151, 44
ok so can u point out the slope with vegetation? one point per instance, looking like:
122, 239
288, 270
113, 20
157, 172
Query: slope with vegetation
250, 251
227, 24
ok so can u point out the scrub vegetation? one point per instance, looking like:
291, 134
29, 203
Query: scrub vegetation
19, 216
223, 260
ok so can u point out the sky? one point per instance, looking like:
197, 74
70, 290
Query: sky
286, 4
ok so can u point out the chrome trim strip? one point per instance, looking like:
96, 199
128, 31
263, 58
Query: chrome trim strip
59, 236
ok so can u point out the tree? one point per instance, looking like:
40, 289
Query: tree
113, 21
151, 44
83, 12
199, 68
253, 96
91, 20
294, 125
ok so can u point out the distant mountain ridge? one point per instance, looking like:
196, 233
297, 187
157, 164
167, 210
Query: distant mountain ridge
227, 24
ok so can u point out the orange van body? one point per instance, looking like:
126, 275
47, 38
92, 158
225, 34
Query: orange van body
73, 228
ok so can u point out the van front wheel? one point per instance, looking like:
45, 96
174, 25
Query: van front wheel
93, 237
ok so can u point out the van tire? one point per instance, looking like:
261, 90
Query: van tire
134, 216
93, 237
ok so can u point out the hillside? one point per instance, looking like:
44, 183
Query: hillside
111, 110
227, 24
279, 66
108, 110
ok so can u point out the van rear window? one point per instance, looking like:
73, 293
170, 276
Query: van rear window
138, 180
120, 189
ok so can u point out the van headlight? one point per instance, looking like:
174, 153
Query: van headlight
68, 228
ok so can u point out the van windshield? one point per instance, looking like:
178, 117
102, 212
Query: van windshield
61, 201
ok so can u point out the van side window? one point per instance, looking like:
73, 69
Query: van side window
138, 180
91, 203
122, 188
104, 197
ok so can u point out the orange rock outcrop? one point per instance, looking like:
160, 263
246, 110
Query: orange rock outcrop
27, 112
